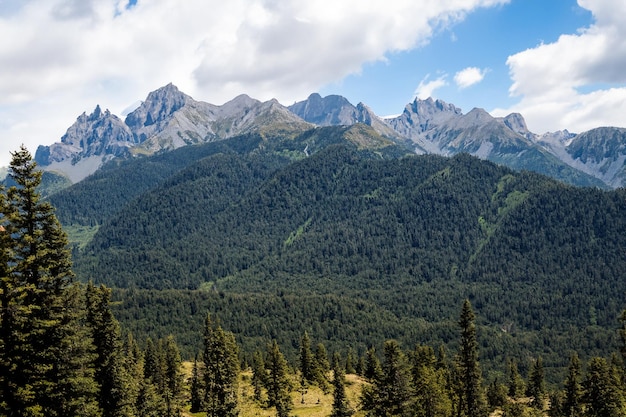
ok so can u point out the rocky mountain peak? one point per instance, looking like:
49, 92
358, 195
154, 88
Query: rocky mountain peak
98, 134
158, 107
331, 110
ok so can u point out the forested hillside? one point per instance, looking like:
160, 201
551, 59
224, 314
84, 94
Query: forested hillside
340, 233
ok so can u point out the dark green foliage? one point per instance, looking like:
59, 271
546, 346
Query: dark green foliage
44, 345
259, 376
469, 376
196, 388
404, 238
536, 384
308, 367
431, 396
496, 395
515, 381
111, 367
277, 382
373, 369
601, 393
573, 391
221, 371
341, 406
390, 394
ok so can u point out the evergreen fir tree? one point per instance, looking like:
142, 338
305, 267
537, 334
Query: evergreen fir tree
44, 347
111, 369
470, 392
259, 375
221, 371
389, 394
133, 359
277, 383
154, 378
496, 394
173, 378
601, 395
307, 362
516, 382
536, 384
571, 404
196, 389
430, 396
321, 358
341, 406
372, 369
350, 361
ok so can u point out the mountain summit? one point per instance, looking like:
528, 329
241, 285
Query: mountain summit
169, 119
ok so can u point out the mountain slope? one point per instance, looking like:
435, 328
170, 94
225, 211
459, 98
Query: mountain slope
344, 221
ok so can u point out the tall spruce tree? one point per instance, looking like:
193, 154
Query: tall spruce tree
259, 375
112, 372
536, 384
174, 378
471, 402
278, 385
45, 350
308, 369
389, 394
516, 382
221, 371
429, 391
341, 406
601, 393
195, 388
571, 403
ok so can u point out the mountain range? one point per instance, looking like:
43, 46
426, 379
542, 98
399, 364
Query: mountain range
169, 119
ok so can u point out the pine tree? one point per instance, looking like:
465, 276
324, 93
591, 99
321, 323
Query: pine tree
259, 375
389, 394
196, 389
307, 362
321, 358
150, 401
372, 369
277, 383
350, 361
430, 396
174, 378
571, 403
221, 371
341, 406
470, 392
112, 372
44, 347
516, 382
536, 384
601, 394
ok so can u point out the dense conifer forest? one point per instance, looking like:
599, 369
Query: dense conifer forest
251, 274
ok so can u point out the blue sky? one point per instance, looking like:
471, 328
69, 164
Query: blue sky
560, 63
483, 40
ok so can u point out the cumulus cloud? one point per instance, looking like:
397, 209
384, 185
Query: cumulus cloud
577, 82
66, 56
469, 76
426, 88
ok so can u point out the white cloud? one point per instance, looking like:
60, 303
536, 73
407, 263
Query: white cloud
426, 88
469, 76
577, 82
66, 56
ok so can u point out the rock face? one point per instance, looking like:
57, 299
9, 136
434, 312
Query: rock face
601, 152
98, 134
